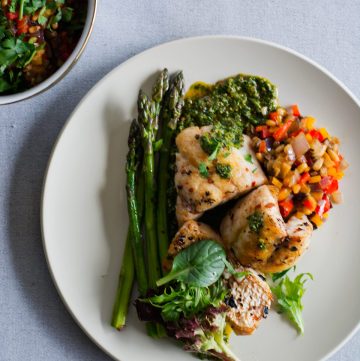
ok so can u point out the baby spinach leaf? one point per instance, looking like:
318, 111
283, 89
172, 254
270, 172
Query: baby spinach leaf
201, 264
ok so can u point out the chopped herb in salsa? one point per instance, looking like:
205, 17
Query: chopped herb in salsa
248, 158
203, 170
219, 138
223, 170
261, 244
256, 222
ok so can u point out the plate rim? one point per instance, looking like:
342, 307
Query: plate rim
108, 75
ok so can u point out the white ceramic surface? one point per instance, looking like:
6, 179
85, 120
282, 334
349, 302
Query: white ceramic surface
84, 218
65, 68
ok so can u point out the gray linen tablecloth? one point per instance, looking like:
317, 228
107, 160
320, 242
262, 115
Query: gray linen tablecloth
34, 324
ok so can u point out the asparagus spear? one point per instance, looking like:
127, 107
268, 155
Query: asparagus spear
126, 277
123, 293
135, 206
133, 209
171, 116
160, 88
149, 110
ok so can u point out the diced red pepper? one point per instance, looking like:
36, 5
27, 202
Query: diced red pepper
22, 26
262, 146
263, 130
316, 134
295, 110
12, 16
297, 132
274, 116
323, 206
281, 132
329, 184
286, 206
308, 204
327, 203
304, 178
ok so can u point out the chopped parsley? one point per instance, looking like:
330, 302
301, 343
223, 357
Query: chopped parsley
14, 53
12, 7
223, 170
203, 170
256, 222
254, 170
248, 158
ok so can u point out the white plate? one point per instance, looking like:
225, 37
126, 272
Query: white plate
84, 216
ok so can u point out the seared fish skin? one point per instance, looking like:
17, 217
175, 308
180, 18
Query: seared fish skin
250, 296
299, 231
188, 234
277, 246
197, 193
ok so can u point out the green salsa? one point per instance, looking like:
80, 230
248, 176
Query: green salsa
236, 103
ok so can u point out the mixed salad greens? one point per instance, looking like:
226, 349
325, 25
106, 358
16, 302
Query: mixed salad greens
192, 306
191, 301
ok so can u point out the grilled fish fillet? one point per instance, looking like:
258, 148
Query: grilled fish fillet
196, 194
277, 246
250, 297
299, 231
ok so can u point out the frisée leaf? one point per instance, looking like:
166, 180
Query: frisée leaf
289, 294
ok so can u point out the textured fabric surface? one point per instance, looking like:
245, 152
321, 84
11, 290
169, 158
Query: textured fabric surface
34, 323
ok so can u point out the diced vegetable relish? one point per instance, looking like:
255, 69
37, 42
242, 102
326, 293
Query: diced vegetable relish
36, 38
302, 161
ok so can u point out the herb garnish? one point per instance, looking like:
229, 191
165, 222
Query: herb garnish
262, 244
14, 53
223, 170
256, 222
12, 7
248, 158
203, 170
218, 138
